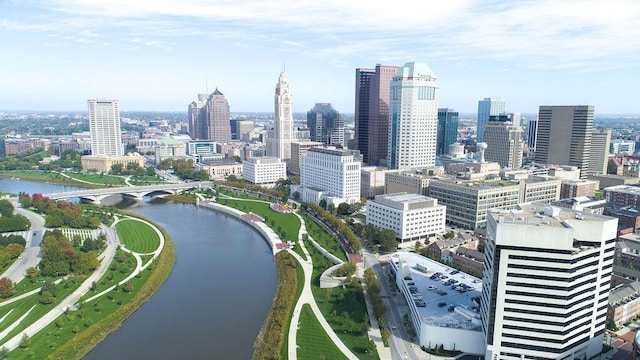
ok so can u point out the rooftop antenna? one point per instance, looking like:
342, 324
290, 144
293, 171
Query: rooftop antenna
206, 85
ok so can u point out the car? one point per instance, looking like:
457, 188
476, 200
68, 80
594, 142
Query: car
408, 278
34, 233
19, 256
411, 283
454, 272
432, 287
442, 304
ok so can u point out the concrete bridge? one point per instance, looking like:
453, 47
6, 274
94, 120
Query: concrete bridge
132, 192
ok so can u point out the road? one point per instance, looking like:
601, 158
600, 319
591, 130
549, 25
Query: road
400, 345
31, 256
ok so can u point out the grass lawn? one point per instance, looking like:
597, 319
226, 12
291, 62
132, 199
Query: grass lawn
323, 238
99, 179
300, 281
313, 341
22, 306
35, 174
286, 226
343, 308
67, 325
121, 267
137, 236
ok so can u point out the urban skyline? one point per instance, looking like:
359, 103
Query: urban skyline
138, 53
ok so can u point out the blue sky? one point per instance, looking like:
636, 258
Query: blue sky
157, 55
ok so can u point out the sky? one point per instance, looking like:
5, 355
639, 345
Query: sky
158, 55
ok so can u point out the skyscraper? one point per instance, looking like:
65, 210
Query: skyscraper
361, 118
196, 114
373, 96
564, 136
218, 118
210, 118
326, 125
488, 107
504, 142
599, 154
104, 125
532, 134
546, 282
413, 122
447, 130
279, 145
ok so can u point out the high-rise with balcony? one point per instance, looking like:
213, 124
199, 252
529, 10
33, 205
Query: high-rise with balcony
546, 282
413, 122
104, 125
488, 107
564, 136
447, 130
373, 96
279, 144
326, 125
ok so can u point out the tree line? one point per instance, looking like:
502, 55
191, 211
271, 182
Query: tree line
338, 225
9, 221
59, 213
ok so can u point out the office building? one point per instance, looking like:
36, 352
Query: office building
298, 149
240, 127
577, 188
624, 195
564, 136
372, 181
546, 282
622, 147
279, 142
488, 107
326, 125
264, 170
599, 154
447, 130
467, 202
413, 181
104, 125
532, 134
413, 123
411, 216
209, 118
170, 148
331, 174
373, 99
504, 142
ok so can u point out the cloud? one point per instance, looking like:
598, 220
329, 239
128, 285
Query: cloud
584, 35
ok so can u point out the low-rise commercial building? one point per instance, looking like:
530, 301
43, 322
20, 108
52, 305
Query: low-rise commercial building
372, 181
444, 304
414, 182
624, 304
577, 188
625, 195
264, 170
103, 163
220, 169
410, 216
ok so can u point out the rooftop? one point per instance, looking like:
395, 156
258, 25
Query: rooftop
542, 214
460, 297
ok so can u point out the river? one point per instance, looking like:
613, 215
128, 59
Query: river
215, 300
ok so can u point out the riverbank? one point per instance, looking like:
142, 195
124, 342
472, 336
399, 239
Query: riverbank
49, 180
85, 341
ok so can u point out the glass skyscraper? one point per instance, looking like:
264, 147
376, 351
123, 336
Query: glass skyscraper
486, 108
447, 130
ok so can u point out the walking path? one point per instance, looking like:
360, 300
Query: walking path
306, 297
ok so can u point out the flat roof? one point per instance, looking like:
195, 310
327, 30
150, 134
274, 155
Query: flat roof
544, 214
405, 198
434, 291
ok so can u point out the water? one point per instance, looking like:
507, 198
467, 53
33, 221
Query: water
215, 300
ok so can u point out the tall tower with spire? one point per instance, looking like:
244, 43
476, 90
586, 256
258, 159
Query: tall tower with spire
279, 145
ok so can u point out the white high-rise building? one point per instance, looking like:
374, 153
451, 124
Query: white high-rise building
504, 142
104, 125
279, 145
331, 174
413, 119
264, 170
546, 282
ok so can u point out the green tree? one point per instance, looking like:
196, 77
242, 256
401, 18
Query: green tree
6, 208
46, 298
25, 341
33, 273
4, 353
7, 287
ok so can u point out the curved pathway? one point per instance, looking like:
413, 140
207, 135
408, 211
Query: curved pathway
306, 297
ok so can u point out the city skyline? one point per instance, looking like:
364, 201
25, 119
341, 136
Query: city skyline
529, 54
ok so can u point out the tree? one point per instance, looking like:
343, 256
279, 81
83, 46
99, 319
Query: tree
323, 204
7, 288
46, 298
33, 273
344, 209
14, 250
4, 353
128, 287
25, 341
6, 208
296, 195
